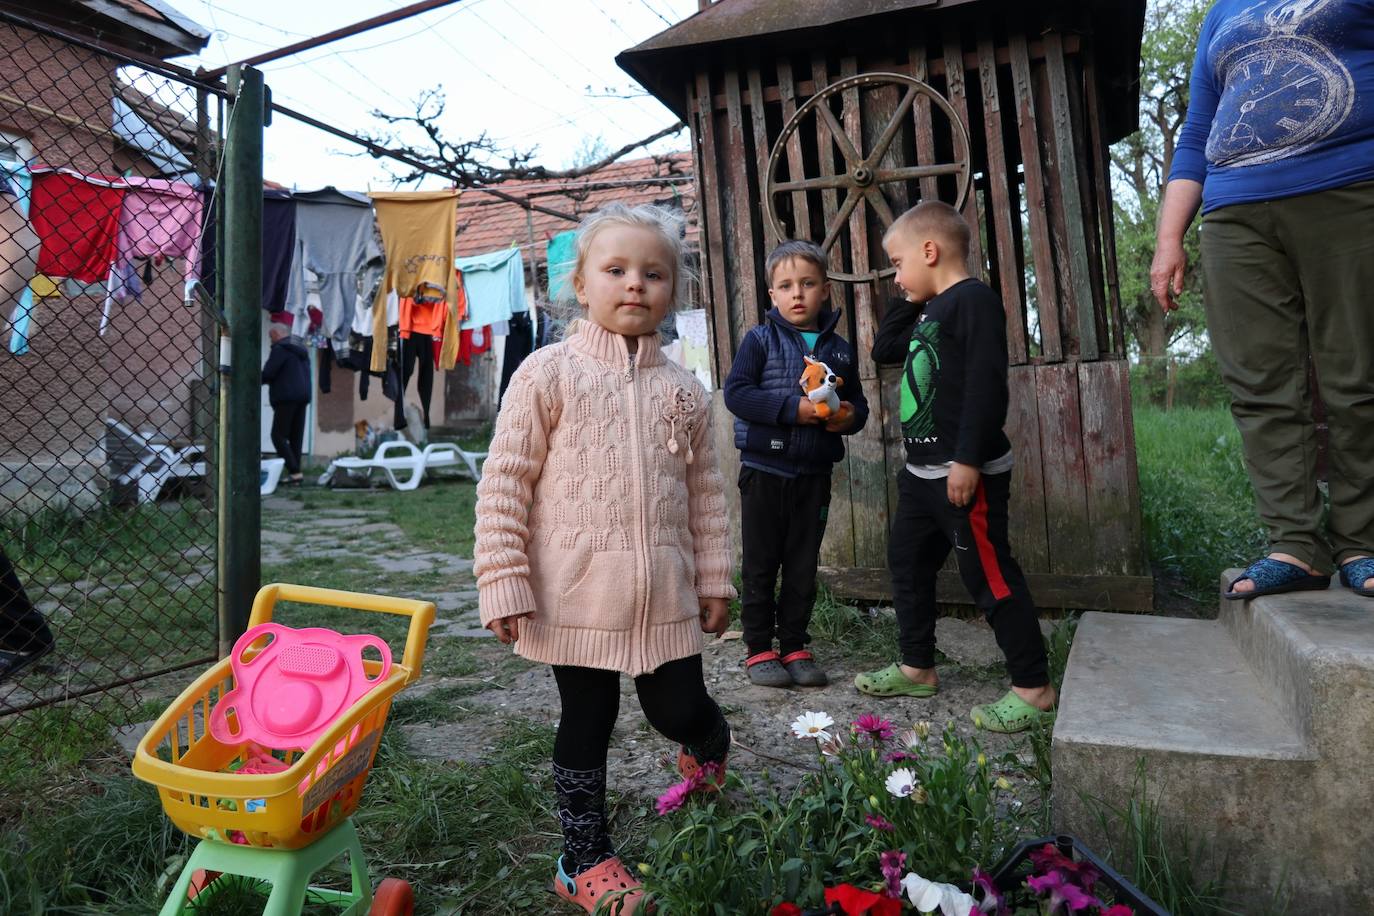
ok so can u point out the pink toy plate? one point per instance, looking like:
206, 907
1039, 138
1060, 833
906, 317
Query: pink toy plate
288, 694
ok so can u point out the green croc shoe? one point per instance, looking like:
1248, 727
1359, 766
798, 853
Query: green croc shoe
891, 682
1009, 714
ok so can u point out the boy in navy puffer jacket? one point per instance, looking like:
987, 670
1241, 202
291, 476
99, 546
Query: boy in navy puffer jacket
786, 455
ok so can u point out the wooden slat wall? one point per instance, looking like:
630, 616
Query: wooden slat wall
740, 211
1065, 175
1008, 254
1086, 171
762, 146
925, 132
1108, 469
956, 93
1027, 514
1066, 504
713, 228
801, 211
1102, 183
1042, 253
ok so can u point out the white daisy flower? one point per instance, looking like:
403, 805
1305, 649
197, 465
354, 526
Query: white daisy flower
813, 725
901, 783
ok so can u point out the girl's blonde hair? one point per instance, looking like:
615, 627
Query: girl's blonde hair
671, 225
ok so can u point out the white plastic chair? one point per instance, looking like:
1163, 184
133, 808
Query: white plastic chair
447, 454
149, 467
395, 457
270, 475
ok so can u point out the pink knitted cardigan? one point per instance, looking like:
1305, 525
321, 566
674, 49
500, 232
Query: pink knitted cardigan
601, 509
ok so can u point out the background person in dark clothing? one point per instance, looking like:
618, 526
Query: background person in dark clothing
287, 375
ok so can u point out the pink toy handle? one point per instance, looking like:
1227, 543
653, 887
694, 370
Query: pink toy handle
252, 635
367, 640
219, 714
219, 721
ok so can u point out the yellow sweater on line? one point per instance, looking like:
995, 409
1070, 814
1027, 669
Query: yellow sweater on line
418, 229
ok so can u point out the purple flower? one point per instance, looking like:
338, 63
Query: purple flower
1063, 891
878, 822
878, 729
892, 863
990, 899
898, 757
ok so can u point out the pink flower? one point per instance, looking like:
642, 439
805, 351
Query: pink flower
1120, 909
1062, 891
892, 863
990, 899
878, 822
876, 728
1047, 858
675, 796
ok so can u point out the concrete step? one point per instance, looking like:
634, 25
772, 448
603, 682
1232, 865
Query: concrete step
1314, 652
1177, 700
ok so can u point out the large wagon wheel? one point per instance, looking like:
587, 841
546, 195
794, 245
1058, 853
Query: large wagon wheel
862, 179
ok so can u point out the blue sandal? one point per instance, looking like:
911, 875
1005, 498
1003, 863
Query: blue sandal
1274, 577
1356, 573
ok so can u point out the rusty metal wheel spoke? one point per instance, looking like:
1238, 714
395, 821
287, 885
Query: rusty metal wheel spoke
878, 202
825, 182
837, 224
910, 173
863, 178
852, 158
893, 126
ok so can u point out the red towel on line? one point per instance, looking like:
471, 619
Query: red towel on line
77, 222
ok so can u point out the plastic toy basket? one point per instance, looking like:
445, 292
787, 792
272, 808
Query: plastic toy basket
320, 786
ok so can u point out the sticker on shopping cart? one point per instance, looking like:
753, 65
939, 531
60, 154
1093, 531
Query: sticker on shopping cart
346, 769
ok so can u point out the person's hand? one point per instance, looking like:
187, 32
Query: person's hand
961, 484
507, 629
837, 425
1167, 272
806, 412
715, 615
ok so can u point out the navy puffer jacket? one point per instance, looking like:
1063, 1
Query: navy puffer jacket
764, 389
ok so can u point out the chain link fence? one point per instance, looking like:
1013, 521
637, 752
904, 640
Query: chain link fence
107, 367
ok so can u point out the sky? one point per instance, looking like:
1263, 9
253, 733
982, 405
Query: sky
530, 73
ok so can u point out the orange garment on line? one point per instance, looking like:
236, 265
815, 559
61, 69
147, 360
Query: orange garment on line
417, 229
430, 317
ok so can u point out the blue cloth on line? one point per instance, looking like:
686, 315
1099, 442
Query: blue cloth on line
495, 287
562, 254
21, 182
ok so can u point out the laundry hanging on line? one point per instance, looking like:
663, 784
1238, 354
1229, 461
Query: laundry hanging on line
418, 229
334, 239
495, 286
159, 219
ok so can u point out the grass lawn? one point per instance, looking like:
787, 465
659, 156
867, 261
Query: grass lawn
1195, 499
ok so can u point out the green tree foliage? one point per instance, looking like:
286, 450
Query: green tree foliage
1140, 169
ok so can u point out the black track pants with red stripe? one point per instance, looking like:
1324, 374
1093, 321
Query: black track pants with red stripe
924, 530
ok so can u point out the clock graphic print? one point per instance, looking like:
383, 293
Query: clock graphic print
1282, 92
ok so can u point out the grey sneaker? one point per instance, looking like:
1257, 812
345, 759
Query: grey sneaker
766, 670
803, 670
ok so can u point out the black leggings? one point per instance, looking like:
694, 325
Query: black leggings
417, 352
673, 696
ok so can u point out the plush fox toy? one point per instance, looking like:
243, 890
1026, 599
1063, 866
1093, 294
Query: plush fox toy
819, 384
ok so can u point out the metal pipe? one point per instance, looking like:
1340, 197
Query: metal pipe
240, 511
347, 31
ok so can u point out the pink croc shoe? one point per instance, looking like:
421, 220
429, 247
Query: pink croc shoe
610, 880
688, 766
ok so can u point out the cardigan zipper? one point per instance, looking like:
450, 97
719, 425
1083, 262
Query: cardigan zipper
643, 553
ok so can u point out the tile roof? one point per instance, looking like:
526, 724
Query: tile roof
487, 223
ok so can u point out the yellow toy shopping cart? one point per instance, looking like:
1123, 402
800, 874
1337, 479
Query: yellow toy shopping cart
276, 819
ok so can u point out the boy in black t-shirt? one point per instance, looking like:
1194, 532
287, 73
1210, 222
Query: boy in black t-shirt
950, 336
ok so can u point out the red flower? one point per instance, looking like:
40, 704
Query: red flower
858, 902
785, 909
1120, 909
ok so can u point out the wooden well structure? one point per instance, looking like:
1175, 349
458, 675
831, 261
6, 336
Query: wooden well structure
821, 121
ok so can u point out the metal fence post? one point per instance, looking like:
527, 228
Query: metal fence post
240, 512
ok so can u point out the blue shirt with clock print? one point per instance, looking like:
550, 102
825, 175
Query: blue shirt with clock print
1281, 101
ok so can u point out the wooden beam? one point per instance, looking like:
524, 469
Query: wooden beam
958, 98
709, 200
796, 170
1008, 255
1042, 254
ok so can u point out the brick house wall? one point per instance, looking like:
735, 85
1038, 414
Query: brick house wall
56, 396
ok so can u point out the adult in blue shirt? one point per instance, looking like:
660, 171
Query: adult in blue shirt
1278, 149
